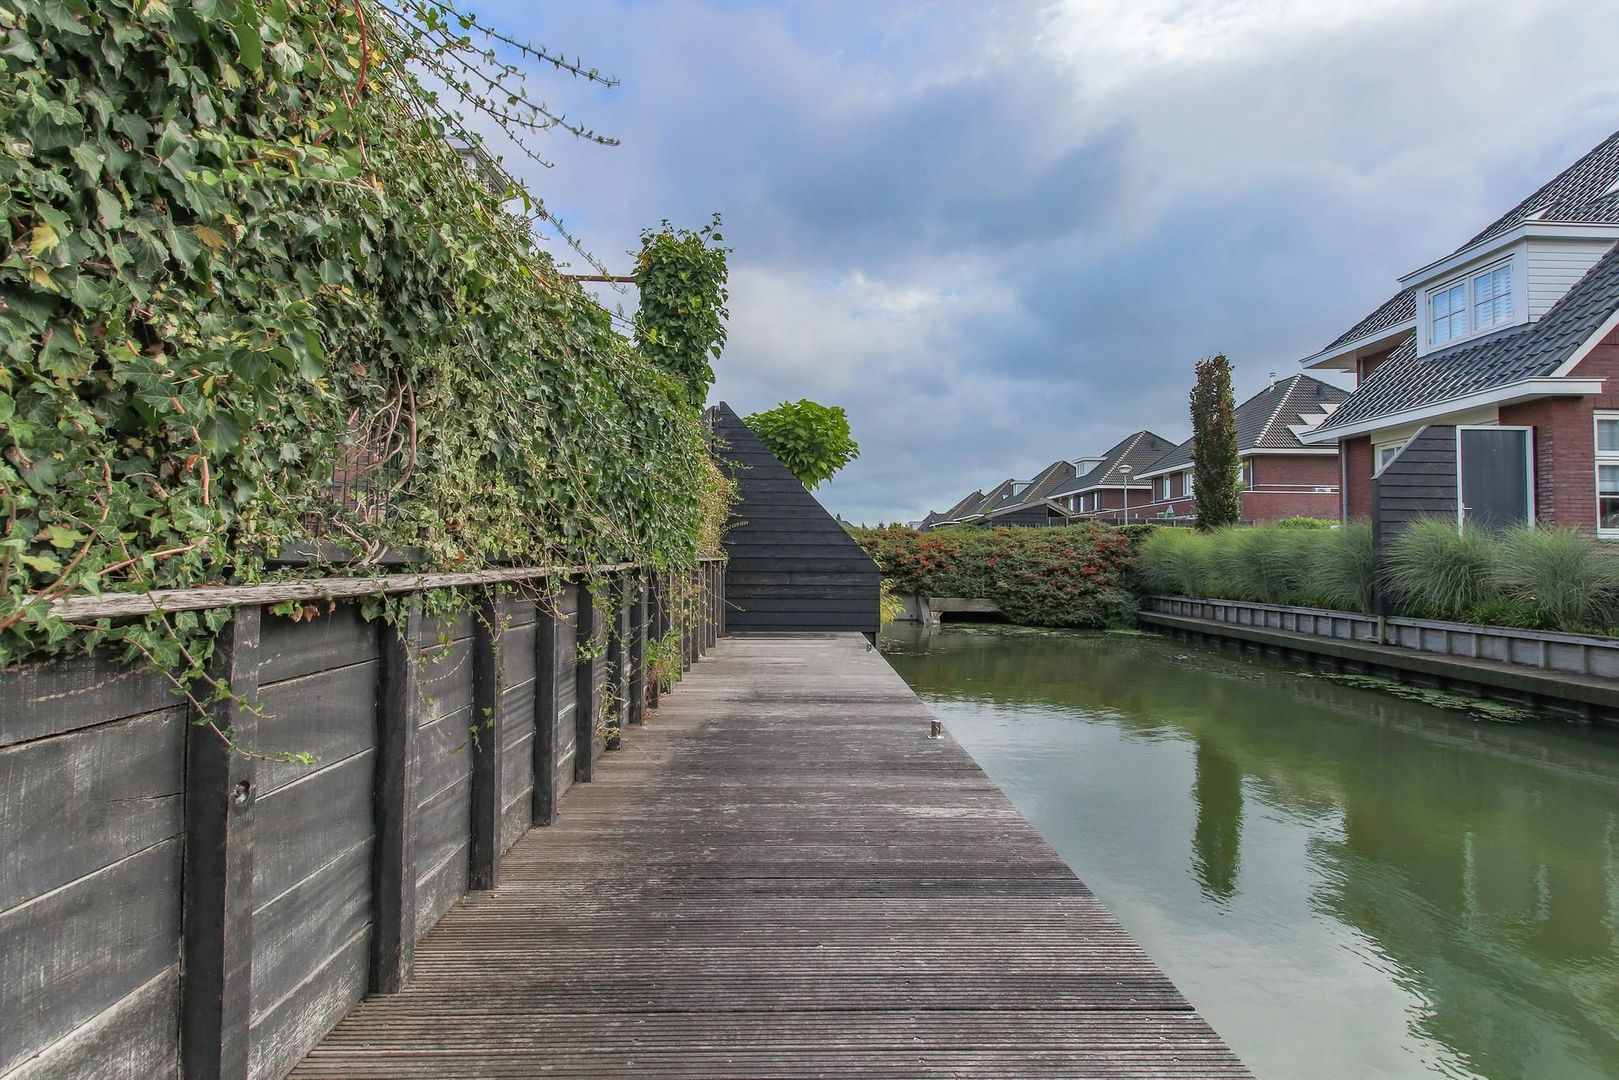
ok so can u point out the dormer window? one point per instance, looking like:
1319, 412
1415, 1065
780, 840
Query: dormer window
1472, 305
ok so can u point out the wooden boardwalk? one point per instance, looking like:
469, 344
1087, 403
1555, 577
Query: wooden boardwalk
781, 875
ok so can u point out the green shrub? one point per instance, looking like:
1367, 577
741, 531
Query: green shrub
1558, 574
1300, 521
811, 439
1069, 576
1436, 571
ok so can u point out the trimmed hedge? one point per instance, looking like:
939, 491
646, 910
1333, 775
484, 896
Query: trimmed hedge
1075, 576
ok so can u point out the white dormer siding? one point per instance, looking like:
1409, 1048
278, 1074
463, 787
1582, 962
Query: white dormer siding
1505, 281
1482, 297
1554, 265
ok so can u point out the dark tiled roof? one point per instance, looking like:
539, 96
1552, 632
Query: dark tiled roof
996, 494
1137, 451
1399, 308
1263, 420
1048, 480
962, 507
1407, 381
1584, 192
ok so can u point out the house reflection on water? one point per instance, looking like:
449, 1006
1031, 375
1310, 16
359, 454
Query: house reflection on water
1345, 883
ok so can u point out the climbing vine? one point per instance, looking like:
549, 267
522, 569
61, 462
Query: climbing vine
680, 325
261, 292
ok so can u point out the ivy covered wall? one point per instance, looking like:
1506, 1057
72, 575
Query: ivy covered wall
251, 297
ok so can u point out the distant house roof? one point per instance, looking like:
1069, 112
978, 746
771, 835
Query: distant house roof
1136, 451
1587, 191
1533, 350
965, 506
997, 493
1266, 421
1037, 491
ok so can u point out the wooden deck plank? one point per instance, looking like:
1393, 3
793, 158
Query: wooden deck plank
781, 875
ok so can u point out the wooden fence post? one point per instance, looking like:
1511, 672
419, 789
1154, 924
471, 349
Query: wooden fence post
688, 620
546, 686
617, 662
713, 604
585, 703
637, 650
483, 864
393, 802
655, 617
218, 878
721, 573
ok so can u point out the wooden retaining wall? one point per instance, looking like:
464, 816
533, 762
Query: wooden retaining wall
167, 904
1565, 674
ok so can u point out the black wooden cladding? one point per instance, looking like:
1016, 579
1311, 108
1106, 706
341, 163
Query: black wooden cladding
792, 566
1419, 482
305, 885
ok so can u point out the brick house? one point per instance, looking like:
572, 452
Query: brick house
1282, 477
1106, 485
1485, 385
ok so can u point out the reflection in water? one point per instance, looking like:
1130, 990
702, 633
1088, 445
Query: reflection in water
1218, 791
1372, 887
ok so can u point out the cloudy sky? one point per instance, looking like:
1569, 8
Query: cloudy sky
1002, 234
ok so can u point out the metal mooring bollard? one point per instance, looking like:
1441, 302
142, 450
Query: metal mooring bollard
938, 729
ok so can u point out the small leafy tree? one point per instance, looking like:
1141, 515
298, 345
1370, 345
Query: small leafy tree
811, 439
1215, 464
680, 325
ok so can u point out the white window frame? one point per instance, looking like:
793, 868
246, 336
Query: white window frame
1378, 462
1602, 457
1471, 326
1188, 483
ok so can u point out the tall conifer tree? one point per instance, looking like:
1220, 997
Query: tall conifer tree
1215, 464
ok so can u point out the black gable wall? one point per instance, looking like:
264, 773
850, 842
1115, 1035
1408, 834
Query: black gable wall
792, 566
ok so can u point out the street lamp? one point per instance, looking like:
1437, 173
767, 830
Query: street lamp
1124, 470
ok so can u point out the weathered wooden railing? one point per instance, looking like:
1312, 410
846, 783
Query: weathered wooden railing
167, 903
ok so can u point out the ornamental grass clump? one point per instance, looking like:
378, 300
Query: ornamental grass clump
1177, 562
1262, 564
1560, 575
1340, 568
1436, 571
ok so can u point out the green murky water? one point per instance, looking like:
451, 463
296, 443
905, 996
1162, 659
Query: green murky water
1344, 883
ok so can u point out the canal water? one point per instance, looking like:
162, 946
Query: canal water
1345, 883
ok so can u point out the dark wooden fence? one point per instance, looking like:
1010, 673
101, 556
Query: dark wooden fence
1419, 482
168, 904
792, 566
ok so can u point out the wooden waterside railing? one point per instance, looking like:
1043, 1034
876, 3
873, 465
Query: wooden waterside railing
168, 904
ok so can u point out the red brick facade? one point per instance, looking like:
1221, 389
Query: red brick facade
1279, 486
1564, 447
1357, 471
